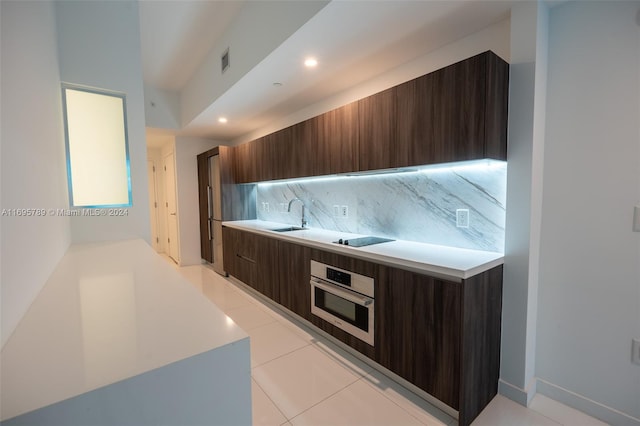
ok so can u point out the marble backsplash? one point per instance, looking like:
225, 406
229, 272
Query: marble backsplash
415, 206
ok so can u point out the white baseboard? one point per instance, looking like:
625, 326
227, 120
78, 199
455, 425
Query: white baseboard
586, 405
519, 395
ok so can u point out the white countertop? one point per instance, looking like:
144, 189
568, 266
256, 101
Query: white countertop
110, 311
445, 262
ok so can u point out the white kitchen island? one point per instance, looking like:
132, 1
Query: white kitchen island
118, 337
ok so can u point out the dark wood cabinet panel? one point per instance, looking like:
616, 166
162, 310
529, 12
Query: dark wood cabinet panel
442, 336
253, 259
264, 152
338, 137
377, 127
418, 332
254, 161
295, 275
295, 152
441, 115
480, 343
414, 124
456, 113
458, 104
244, 164
496, 107
267, 272
240, 255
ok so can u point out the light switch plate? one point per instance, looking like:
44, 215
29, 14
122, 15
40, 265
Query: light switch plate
635, 351
636, 218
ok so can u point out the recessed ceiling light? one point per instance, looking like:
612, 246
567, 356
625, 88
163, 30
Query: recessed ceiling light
222, 120
311, 62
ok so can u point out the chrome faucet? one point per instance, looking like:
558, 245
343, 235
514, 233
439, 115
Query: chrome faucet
303, 220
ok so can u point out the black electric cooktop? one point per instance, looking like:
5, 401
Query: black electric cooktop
362, 241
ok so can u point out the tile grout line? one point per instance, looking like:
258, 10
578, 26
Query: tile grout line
293, 327
324, 399
257, 303
391, 400
360, 377
280, 356
269, 398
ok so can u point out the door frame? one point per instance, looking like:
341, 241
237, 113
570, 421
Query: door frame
171, 185
154, 208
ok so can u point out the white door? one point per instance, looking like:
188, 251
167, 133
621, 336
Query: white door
172, 212
153, 204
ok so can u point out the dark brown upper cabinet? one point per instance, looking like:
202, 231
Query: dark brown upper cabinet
454, 114
337, 140
377, 118
446, 122
295, 151
265, 151
244, 162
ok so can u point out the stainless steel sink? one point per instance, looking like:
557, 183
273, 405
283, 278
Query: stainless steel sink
287, 229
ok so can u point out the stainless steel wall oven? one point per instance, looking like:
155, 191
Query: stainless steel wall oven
345, 299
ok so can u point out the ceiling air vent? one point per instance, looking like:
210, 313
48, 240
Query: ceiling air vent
224, 60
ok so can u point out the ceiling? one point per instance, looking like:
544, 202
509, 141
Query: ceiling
353, 40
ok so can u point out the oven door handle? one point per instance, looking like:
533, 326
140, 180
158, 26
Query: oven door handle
345, 294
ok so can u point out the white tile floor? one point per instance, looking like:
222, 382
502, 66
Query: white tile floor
299, 378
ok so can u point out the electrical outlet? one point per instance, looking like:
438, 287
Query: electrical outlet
635, 351
336, 210
462, 218
266, 207
344, 212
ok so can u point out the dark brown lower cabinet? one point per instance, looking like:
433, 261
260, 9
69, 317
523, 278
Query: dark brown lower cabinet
295, 275
418, 331
277, 269
267, 281
252, 259
240, 255
442, 336
480, 342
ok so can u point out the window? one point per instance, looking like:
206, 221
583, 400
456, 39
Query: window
95, 125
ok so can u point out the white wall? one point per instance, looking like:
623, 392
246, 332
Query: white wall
186, 150
494, 37
162, 108
258, 29
33, 158
99, 46
589, 296
527, 93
